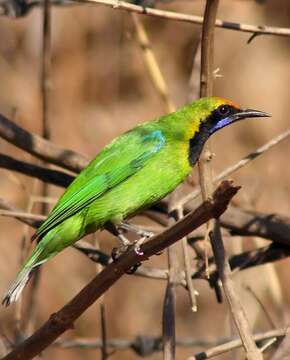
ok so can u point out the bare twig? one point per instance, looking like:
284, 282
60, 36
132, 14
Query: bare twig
54, 177
147, 345
235, 344
39, 147
206, 184
188, 269
235, 305
283, 351
206, 89
254, 223
104, 349
64, 318
246, 260
168, 319
193, 19
152, 65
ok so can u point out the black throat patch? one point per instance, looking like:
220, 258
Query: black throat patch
197, 142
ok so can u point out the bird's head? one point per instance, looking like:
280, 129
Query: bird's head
214, 113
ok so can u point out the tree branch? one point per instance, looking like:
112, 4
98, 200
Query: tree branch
54, 177
39, 147
15, 8
65, 317
234, 344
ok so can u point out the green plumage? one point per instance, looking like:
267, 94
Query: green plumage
133, 172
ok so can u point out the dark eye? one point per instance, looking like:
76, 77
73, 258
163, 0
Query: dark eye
224, 110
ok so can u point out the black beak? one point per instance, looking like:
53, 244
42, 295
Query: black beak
248, 113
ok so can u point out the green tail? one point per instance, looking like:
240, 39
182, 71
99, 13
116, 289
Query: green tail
23, 277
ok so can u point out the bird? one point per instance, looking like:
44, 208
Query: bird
130, 174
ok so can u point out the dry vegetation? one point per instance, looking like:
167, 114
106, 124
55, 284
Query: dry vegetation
99, 87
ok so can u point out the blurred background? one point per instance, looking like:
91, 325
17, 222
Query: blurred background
99, 88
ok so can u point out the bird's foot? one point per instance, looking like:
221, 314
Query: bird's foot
136, 230
137, 245
126, 244
117, 252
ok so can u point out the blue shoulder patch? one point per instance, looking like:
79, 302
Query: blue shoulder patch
156, 135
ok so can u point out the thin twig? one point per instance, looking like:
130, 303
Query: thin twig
147, 345
206, 184
206, 89
7, 8
188, 269
235, 305
194, 19
152, 65
235, 344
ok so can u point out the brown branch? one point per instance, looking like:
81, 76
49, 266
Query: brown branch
235, 305
193, 19
239, 221
54, 177
65, 317
264, 255
254, 223
19, 8
5, 205
206, 185
39, 147
235, 344
147, 345
246, 260
283, 351
168, 320
206, 89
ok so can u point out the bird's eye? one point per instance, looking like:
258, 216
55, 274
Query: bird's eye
224, 110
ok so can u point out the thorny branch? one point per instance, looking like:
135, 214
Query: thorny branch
65, 317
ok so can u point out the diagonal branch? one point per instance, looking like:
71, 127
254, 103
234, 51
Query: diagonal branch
64, 319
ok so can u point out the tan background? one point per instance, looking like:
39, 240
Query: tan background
99, 88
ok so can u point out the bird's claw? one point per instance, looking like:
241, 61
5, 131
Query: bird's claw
133, 269
117, 252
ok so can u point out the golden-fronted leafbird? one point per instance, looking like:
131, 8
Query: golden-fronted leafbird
134, 171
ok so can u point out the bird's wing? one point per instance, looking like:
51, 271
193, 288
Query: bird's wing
117, 162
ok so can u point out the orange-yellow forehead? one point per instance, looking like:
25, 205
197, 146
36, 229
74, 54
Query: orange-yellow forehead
222, 101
